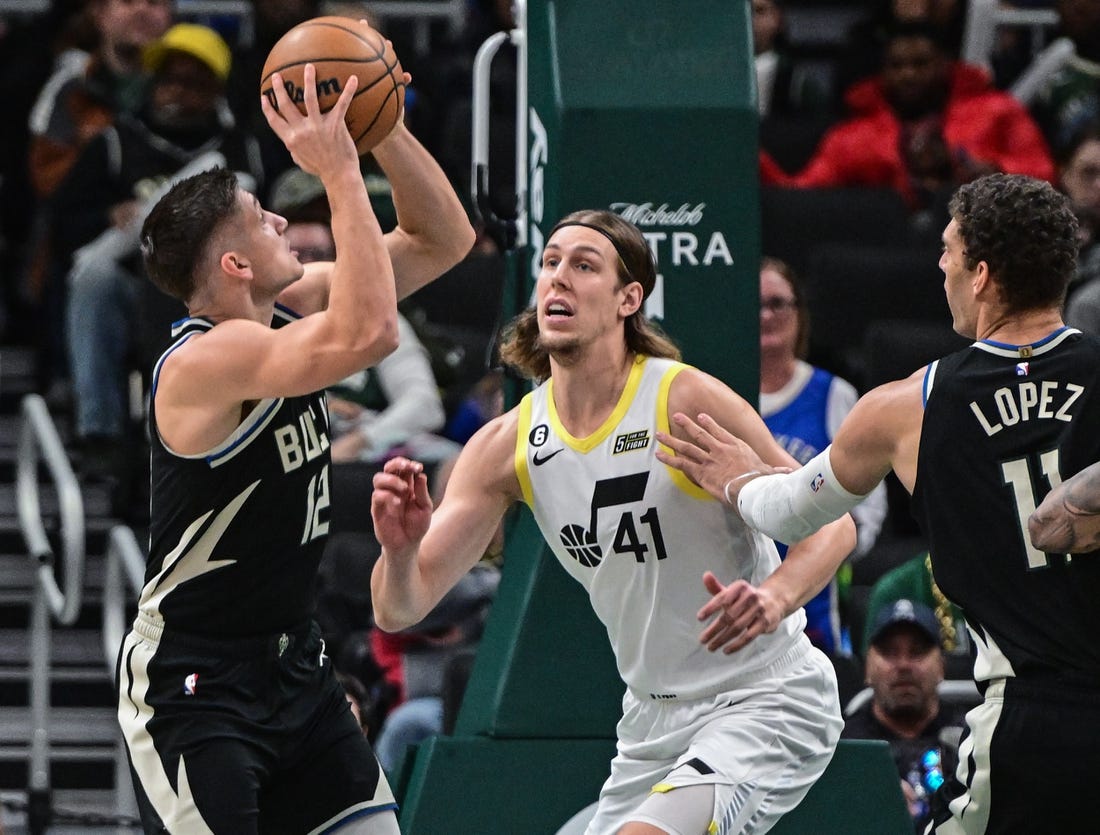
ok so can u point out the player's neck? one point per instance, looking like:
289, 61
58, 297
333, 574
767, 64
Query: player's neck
585, 393
1019, 328
222, 305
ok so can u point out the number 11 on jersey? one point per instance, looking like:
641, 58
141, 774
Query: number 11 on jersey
1017, 474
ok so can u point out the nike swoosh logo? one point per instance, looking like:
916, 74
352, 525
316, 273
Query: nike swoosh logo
539, 461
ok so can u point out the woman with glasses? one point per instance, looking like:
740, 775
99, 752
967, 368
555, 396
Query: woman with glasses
803, 406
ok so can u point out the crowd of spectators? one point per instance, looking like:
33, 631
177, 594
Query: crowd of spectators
110, 100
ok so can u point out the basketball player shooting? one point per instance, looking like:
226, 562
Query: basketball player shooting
704, 620
233, 719
979, 437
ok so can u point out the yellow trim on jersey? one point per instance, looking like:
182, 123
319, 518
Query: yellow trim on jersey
606, 428
678, 478
523, 429
662, 788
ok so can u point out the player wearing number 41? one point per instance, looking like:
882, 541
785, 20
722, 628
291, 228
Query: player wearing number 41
709, 741
233, 719
978, 437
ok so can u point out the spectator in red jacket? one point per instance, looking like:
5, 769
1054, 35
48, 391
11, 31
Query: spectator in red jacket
923, 125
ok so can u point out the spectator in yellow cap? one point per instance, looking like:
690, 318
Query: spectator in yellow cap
197, 41
190, 65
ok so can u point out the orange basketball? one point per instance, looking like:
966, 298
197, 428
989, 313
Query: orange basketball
340, 47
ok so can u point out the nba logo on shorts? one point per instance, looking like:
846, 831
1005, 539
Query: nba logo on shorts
190, 683
815, 485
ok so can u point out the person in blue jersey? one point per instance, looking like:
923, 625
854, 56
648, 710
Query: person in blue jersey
233, 719
979, 438
730, 713
803, 406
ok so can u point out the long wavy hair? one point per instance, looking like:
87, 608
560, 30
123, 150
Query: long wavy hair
521, 347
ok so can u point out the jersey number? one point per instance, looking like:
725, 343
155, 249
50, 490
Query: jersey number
580, 541
1017, 474
626, 537
316, 505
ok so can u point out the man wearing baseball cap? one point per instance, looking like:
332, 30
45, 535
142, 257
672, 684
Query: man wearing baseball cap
200, 42
904, 668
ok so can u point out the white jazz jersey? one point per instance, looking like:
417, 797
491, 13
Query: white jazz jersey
639, 535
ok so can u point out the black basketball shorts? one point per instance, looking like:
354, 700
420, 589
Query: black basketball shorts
242, 736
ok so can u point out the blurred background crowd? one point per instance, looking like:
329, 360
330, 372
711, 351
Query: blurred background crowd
871, 112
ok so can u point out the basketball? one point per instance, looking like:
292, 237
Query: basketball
339, 47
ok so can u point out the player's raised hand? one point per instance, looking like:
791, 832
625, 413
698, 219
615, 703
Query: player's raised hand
318, 142
400, 506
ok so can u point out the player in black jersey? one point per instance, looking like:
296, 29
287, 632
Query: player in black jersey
233, 718
978, 438
1068, 520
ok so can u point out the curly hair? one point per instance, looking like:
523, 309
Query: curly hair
1026, 232
175, 235
520, 345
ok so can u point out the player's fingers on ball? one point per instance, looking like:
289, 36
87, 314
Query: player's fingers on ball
268, 109
282, 100
309, 82
340, 109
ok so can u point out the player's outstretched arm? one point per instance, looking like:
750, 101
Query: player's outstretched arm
739, 612
1068, 519
424, 553
882, 432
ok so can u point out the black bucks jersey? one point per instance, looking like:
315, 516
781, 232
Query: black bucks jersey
1002, 425
639, 535
237, 532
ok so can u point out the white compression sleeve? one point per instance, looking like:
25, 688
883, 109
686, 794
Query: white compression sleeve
791, 506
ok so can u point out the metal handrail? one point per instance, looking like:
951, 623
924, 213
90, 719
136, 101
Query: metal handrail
39, 442
123, 581
513, 230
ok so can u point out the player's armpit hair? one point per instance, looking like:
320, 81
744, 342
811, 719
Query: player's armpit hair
791, 506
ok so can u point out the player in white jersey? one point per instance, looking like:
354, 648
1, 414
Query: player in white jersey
710, 741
